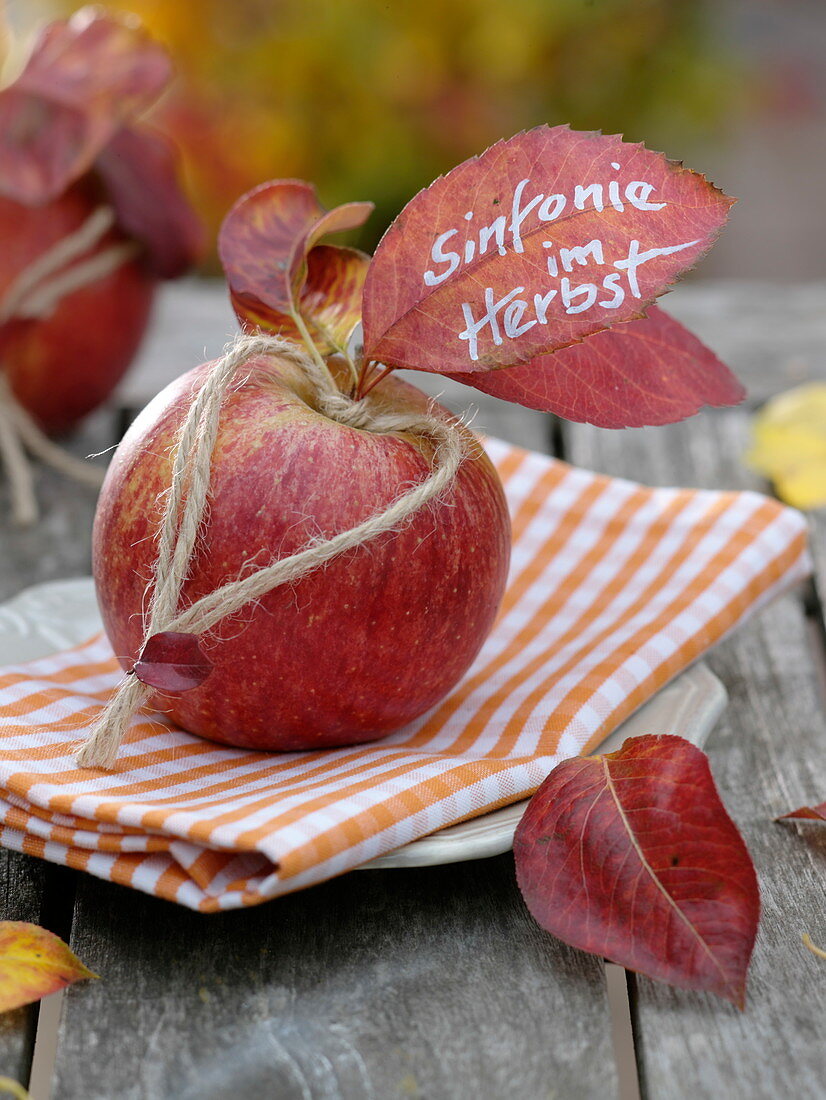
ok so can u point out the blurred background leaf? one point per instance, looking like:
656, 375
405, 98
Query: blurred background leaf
373, 100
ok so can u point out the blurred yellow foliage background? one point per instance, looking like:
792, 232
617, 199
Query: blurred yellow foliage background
372, 99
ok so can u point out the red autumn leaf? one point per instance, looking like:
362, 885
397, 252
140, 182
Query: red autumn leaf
329, 302
331, 295
649, 371
34, 962
539, 242
805, 813
172, 662
632, 856
138, 168
264, 244
84, 79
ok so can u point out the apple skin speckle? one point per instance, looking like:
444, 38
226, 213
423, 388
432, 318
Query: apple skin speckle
352, 651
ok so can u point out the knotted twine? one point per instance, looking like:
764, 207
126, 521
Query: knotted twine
186, 502
33, 295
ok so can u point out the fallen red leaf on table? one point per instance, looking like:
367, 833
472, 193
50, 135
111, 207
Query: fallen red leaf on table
805, 813
34, 962
632, 856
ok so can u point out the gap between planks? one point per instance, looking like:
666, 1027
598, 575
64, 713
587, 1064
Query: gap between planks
44, 1058
622, 1031
616, 977
56, 914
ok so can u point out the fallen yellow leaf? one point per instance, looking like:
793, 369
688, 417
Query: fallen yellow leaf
807, 942
34, 962
13, 1088
789, 445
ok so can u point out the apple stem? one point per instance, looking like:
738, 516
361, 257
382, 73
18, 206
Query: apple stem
365, 388
354, 374
364, 370
311, 348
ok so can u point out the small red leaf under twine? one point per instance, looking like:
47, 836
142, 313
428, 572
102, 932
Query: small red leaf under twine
172, 662
186, 502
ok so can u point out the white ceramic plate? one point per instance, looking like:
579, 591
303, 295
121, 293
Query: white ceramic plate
60, 614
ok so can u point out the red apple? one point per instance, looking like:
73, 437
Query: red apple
63, 365
353, 650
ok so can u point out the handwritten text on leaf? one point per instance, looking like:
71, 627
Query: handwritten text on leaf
532, 246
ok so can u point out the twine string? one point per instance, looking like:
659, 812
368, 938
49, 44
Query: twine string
16, 464
186, 502
34, 294
19, 434
49, 263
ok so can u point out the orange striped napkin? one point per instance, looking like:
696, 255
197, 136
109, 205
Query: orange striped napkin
614, 589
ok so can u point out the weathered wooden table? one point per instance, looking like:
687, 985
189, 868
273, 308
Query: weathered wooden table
435, 982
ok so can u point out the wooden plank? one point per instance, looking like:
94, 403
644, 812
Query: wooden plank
767, 756
739, 319
21, 892
431, 982
57, 546
742, 319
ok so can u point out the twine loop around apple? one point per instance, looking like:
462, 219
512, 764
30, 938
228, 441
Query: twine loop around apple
34, 294
186, 503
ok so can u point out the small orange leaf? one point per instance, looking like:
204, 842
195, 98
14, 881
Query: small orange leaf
34, 962
805, 813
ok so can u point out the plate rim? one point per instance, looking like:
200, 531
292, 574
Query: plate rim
494, 831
